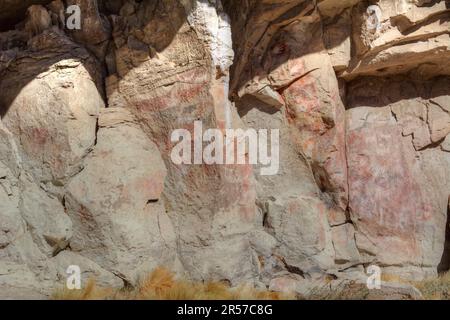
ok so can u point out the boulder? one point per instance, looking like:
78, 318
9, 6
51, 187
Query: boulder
396, 200
115, 203
406, 37
53, 130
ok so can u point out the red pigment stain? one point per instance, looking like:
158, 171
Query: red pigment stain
151, 186
84, 214
39, 135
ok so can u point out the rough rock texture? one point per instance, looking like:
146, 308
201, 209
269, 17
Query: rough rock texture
13, 11
393, 137
129, 229
54, 145
412, 37
361, 99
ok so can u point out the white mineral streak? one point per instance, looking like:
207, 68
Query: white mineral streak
213, 25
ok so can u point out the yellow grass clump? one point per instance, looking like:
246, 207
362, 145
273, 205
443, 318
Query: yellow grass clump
431, 289
435, 289
161, 284
90, 292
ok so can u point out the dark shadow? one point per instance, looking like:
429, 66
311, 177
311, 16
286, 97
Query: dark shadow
29, 64
162, 19
10, 15
444, 265
405, 27
269, 51
276, 45
368, 91
247, 103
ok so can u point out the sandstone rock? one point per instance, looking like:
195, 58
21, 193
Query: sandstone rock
395, 291
14, 293
270, 97
45, 217
291, 223
52, 145
12, 225
343, 289
88, 268
95, 29
23, 265
314, 109
38, 20
44, 135
337, 40
57, 12
337, 217
396, 228
128, 231
253, 33
9, 157
291, 59
183, 77
412, 13
303, 288
446, 144
350, 290
18, 281
344, 244
409, 37
13, 11
392, 223
439, 122
290, 210
331, 8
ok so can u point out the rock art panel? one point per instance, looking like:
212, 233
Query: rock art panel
396, 199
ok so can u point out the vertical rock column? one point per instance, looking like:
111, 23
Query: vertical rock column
172, 64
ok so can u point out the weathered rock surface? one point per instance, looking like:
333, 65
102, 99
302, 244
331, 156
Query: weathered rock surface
410, 37
128, 230
13, 11
43, 80
360, 96
168, 80
398, 179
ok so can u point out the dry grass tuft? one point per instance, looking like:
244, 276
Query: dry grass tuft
162, 285
435, 289
387, 277
90, 292
431, 289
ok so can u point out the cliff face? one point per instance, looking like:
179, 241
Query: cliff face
360, 94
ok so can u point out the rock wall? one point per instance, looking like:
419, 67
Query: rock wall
361, 97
